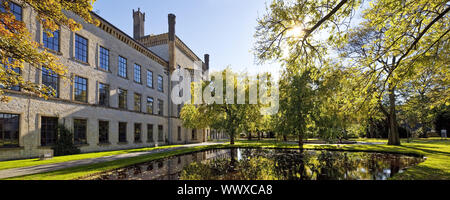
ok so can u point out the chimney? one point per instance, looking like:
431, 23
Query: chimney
172, 36
207, 61
138, 22
172, 22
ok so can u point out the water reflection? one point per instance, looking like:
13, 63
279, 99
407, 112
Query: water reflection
267, 164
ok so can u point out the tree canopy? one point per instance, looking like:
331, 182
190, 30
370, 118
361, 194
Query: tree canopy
381, 47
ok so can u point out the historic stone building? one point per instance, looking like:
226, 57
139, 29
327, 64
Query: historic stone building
117, 95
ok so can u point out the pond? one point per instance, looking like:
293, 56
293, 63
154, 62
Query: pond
267, 164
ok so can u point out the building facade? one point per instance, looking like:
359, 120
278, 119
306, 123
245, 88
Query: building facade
117, 95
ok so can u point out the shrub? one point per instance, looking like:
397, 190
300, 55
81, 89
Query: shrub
64, 143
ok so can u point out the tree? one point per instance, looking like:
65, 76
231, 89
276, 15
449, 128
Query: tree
228, 116
17, 46
387, 45
395, 35
426, 92
297, 102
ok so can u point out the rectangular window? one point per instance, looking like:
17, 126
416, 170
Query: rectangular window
150, 105
122, 67
49, 128
150, 133
80, 89
137, 102
137, 73
11, 71
179, 133
79, 131
122, 132
122, 98
104, 59
9, 130
137, 133
160, 133
160, 107
178, 110
51, 43
81, 48
149, 78
15, 9
51, 80
194, 134
103, 132
160, 83
103, 94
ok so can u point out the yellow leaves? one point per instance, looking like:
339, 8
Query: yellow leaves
16, 41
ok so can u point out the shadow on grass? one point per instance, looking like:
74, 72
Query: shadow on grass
426, 149
422, 172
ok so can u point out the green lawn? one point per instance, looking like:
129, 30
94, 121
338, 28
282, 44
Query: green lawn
436, 167
60, 159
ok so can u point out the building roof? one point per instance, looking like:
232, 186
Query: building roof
122, 36
155, 40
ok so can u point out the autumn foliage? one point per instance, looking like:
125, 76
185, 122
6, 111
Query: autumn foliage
18, 48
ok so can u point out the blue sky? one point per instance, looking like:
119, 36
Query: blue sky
222, 28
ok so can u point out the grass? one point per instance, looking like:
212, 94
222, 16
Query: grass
59, 159
85, 170
436, 167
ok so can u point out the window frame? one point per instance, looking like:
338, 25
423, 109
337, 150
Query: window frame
49, 74
137, 135
137, 73
160, 89
123, 137
150, 82
194, 134
160, 134
17, 71
17, 132
160, 107
105, 138
53, 137
150, 133
75, 89
119, 94
101, 59
120, 67
77, 49
152, 105
13, 5
108, 94
76, 135
137, 107
46, 40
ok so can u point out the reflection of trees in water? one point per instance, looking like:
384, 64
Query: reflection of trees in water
268, 164
281, 164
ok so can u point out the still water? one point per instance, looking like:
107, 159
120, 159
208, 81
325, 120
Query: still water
267, 164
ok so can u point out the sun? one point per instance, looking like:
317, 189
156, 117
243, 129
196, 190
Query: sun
296, 31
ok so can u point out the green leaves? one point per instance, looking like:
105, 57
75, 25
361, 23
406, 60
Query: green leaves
383, 52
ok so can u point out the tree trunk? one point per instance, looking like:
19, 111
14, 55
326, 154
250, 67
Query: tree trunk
285, 138
232, 139
300, 142
259, 135
393, 136
249, 136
